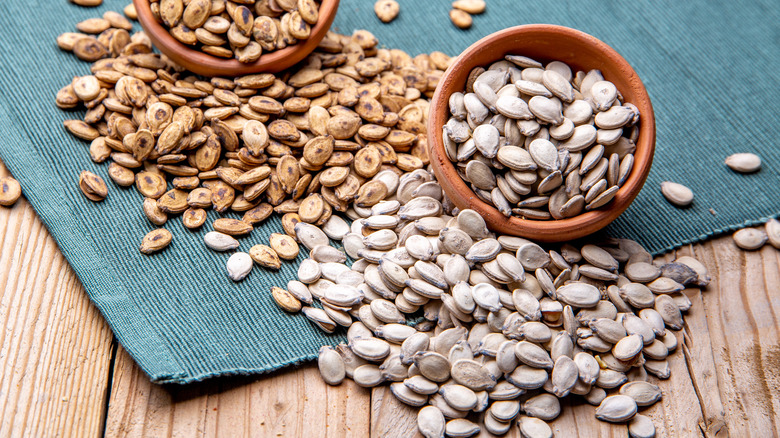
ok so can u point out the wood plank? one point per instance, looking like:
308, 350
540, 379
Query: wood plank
390, 417
55, 349
294, 402
741, 308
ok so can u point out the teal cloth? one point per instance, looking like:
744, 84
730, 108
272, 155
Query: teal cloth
711, 67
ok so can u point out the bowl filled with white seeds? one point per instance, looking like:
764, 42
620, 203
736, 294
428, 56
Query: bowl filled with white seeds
544, 130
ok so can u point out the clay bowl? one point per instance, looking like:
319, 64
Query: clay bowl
544, 43
207, 65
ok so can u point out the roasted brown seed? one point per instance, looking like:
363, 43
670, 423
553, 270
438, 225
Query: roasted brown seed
156, 240
265, 257
173, 201
460, 18
193, 218
10, 191
284, 246
386, 10
232, 227
285, 300
153, 212
121, 175
93, 186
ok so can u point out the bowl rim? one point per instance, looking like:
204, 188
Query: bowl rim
207, 65
550, 230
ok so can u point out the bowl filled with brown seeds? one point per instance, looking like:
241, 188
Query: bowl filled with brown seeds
218, 37
545, 131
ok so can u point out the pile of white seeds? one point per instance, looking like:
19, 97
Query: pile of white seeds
484, 331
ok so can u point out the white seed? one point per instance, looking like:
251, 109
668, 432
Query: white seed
461, 427
335, 227
309, 271
471, 375
431, 422
643, 393
677, 194
772, 229
406, 395
533, 355
750, 239
327, 254
433, 366
487, 297
641, 427
331, 365
219, 241
744, 162
578, 294
310, 236
531, 427
368, 375
459, 397
421, 385
494, 426
543, 406
564, 375
604, 94
239, 265
299, 291
371, 349
628, 347
616, 409
587, 366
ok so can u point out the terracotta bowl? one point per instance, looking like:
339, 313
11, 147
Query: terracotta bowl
544, 43
207, 65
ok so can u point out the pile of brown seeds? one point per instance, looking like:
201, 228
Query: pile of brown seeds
303, 143
539, 141
241, 30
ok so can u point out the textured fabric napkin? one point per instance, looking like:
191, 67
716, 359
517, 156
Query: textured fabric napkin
712, 69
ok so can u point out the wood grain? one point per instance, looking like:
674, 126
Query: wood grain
741, 307
55, 347
291, 403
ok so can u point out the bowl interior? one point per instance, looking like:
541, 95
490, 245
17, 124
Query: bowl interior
544, 43
208, 65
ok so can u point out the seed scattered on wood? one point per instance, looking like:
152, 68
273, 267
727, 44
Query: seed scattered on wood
750, 239
10, 191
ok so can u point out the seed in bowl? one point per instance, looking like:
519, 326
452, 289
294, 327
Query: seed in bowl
539, 141
230, 30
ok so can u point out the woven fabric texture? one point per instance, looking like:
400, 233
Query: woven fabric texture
711, 68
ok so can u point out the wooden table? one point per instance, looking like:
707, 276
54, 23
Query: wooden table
63, 374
